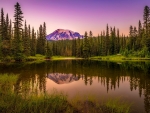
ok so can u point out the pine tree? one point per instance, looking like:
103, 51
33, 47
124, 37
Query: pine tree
48, 51
103, 37
26, 40
37, 41
118, 41
41, 40
131, 39
135, 34
139, 44
11, 36
148, 44
112, 44
146, 19
107, 40
90, 34
2, 31
29, 40
99, 45
91, 44
74, 47
6, 41
44, 38
78, 47
86, 46
18, 47
54, 48
115, 41
33, 43
140, 29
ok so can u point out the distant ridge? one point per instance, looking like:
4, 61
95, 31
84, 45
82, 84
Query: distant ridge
62, 34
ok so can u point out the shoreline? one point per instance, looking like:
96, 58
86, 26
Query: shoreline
111, 58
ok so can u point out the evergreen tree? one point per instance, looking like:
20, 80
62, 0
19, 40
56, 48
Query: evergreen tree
38, 50
26, 40
6, 41
90, 34
112, 44
48, 51
18, 47
2, 30
29, 40
118, 41
146, 19
86, 46
103, 44
115, 41
107, 43
135, 34
33, 43
10, 35
78, 48
44, 38
74, 47
41, 40
140, 29
91, 46
131, 39
37, 42
148, 44
99, 45
138, 44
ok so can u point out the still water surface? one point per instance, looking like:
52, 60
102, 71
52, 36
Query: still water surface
129, 81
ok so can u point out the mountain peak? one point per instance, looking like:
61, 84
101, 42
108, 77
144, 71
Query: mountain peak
63, 34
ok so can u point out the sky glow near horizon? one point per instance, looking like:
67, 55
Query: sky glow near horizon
79, 15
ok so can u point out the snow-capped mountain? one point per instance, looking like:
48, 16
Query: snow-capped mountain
62, 34
61, 78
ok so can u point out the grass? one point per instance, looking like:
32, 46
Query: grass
36, 57
41, 58
116, 106
89, 104
56, 102
64, 58
115, 58
118, 57
7, 82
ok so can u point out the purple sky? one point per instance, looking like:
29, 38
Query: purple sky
79, 15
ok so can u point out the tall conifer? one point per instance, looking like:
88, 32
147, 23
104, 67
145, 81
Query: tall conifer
17, 46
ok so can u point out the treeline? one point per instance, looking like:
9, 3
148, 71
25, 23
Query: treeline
109, 42
17, 42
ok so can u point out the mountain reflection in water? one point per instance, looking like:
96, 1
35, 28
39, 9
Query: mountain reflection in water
62, 78
128, 80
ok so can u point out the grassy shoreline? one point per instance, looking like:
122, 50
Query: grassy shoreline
103, 58
120, 58
114, 58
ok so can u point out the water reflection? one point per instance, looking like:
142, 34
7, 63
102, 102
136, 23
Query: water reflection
62, 78
86, 76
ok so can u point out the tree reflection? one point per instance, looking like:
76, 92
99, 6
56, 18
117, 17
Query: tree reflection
32, 77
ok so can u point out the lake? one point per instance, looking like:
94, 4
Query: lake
129, 81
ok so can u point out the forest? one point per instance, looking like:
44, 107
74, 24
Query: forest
18, 40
